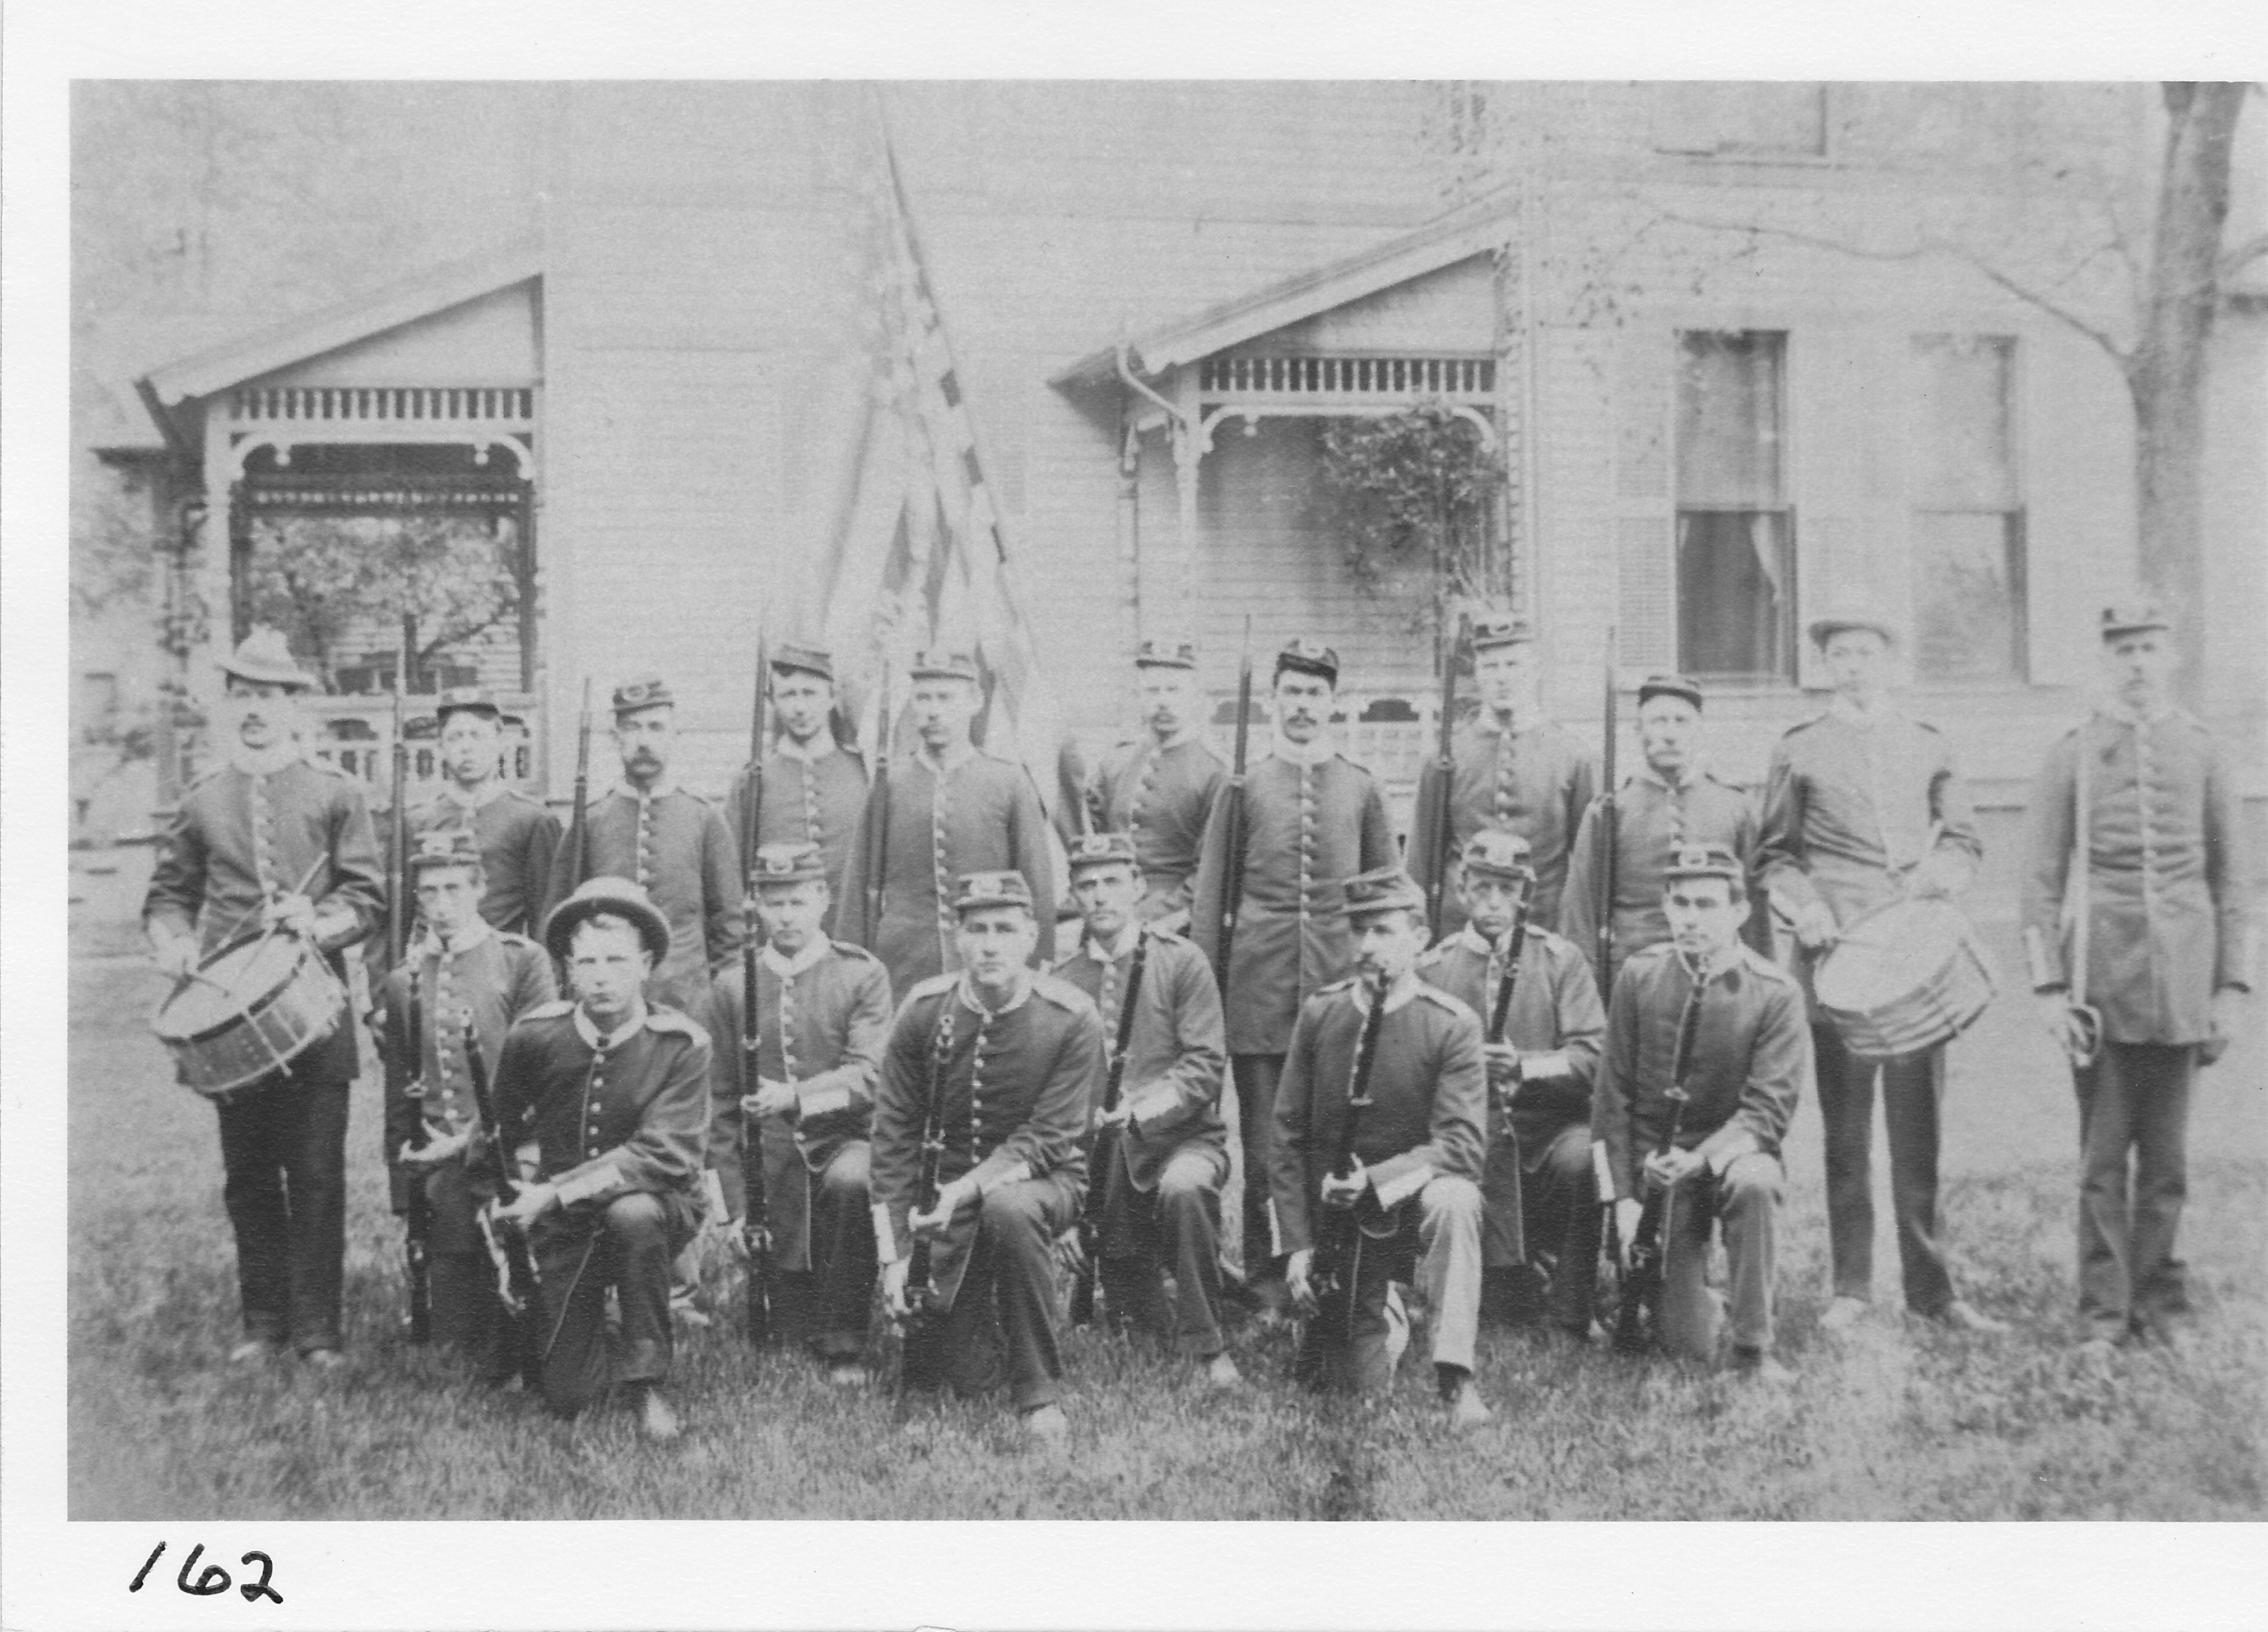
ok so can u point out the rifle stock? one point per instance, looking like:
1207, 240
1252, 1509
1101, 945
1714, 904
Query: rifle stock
755, 1205
1500, 1017
920, 1330
519, 1286
1339, 1234
418, 1219
1609, 841
1106, 1145
1638, 1316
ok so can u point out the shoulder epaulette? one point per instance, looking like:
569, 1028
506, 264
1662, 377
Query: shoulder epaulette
556, 1008
1550, 939
931, 986
513, 792
1653, 954
1433, 955
1062, 994
1763, 966
851, 948
1449, 1001
1805, 725
666, 1021
1345, 984
1168, 936
513, 937
328, 769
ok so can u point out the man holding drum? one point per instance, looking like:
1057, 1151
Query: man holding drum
272, 842
1862, 808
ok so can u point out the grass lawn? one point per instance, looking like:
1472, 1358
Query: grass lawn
1896, 1422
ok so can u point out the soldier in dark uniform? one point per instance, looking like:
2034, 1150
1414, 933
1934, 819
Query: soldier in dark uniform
519, 838
1862, 807
673, 844
823, 1015
813, 785
461, 966
1669, 802
1016, 1060
953, 809
2170, 955
1168, 1158
1541, 1226
616, 1094
1420, 1139
275, 838
1159, 787
1312, 820
1515, 770
1750, 1060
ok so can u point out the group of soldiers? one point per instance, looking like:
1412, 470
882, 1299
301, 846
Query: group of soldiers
1485, 1079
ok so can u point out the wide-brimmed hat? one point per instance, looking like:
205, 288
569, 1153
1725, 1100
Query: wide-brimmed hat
617, 896
1828, 625
265, 658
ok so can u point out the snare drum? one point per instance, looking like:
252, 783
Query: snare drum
251, 1008
1904, 979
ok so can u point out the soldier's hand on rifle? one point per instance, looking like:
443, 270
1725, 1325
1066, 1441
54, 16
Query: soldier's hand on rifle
771, 1098
1344, 1193
1503, 1062
434, 1151
532, 1203
939, 1218
1627, 1211
1671, 1168
894, 1284
1296, 1281
1118, 1116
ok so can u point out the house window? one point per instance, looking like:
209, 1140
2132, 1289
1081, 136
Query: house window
1968, 517
1736, 533
1759, 119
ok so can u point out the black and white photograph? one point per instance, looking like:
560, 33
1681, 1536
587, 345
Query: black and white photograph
1168, 797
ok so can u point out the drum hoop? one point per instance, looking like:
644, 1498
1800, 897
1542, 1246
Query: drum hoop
256, 1007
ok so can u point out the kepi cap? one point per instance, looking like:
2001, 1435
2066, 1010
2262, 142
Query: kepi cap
1383, 890
2131, 618
455, 847
1171, 652
1494, 852
468, 700
979, 890
1669, 685
784, 864
807, 659
1702, 861
1099, 850
1829, 625
265, 657
643, 691
1495, 629
937, 664
1308, 657
617, 896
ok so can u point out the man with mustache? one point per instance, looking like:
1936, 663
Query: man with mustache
519, 838
272, 839
814, 786
1159, 787
1312, 821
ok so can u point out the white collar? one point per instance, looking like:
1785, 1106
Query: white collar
788, 968
967, 993
629, 790
1127, 938
268, 761
490, 792
1722, 961
822, 744
1471, 939
464, 940
1401, 993
1308, 754
600, 1040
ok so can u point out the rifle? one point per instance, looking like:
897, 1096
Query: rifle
1641, 1290
1232, 818
755, 1207
397, 848
920, 1331
752, 802
1339, 1233
1445, 811
579, 838
519, 1287
418, 1219
1609, 840
1106, 1145
877, 858
1515, 943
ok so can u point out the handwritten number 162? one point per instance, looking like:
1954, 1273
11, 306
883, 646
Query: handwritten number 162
213, 1578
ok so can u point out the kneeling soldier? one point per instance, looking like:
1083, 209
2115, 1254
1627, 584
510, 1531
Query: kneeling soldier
1542, 1218
1161, 1156
822, 1016
617, 1094
1710, 1135
460, 967
1417, 1133
1004, 1064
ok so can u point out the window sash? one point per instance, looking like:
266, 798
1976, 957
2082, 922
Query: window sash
1970, 593
1731, 417
1736, 594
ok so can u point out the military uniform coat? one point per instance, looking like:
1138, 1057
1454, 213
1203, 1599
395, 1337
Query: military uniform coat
981, 815
677, 847
1429, 1100
1015, 1093
807, 800
1161, 797
2168, 924
519, 840
1652, 821
1535, 782
1751, 1061
498, 976
1309, 828
1176, 1054
239, 835
1554, 1008
822, 1019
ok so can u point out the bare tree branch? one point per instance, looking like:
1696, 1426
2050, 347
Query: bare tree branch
2241, 255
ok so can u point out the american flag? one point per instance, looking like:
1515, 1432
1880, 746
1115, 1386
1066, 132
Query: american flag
917, 557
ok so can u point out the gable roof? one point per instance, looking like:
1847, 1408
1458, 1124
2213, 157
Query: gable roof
1443, 241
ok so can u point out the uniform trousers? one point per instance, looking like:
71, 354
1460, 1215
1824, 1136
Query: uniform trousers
467, 1313
282, 1151
1559, 1210
1913, 1093
1256, 1076
1448, 1254
1745, 1199
627, 1246
1176, 1228
2134, 1097
1004, 1314
828, 1304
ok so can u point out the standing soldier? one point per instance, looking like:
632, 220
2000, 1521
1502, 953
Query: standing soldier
1169, 1158
1312, 820
822, 1016
814, 786
1671, 801
462, 966
519, 838
1751, 1056
1863, 807
616, 1095
1419, 1136
273, 838
1005, 1063
1542, 1218
1159, 787
671, 844
2160, 958
1515, 770
953, 809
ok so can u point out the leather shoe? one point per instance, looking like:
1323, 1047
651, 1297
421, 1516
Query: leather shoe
1467, 1408
254, 1350
1844, 1313
847, 1374
1756, 1365
656, 1417
324, 1359
1047, 1426
1222, 1372
1965, 1317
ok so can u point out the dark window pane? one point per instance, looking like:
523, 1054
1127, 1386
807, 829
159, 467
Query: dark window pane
1969, 591
1963, 460
1736, 594
1728, 419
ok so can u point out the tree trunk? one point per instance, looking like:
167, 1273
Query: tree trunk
2166, 373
